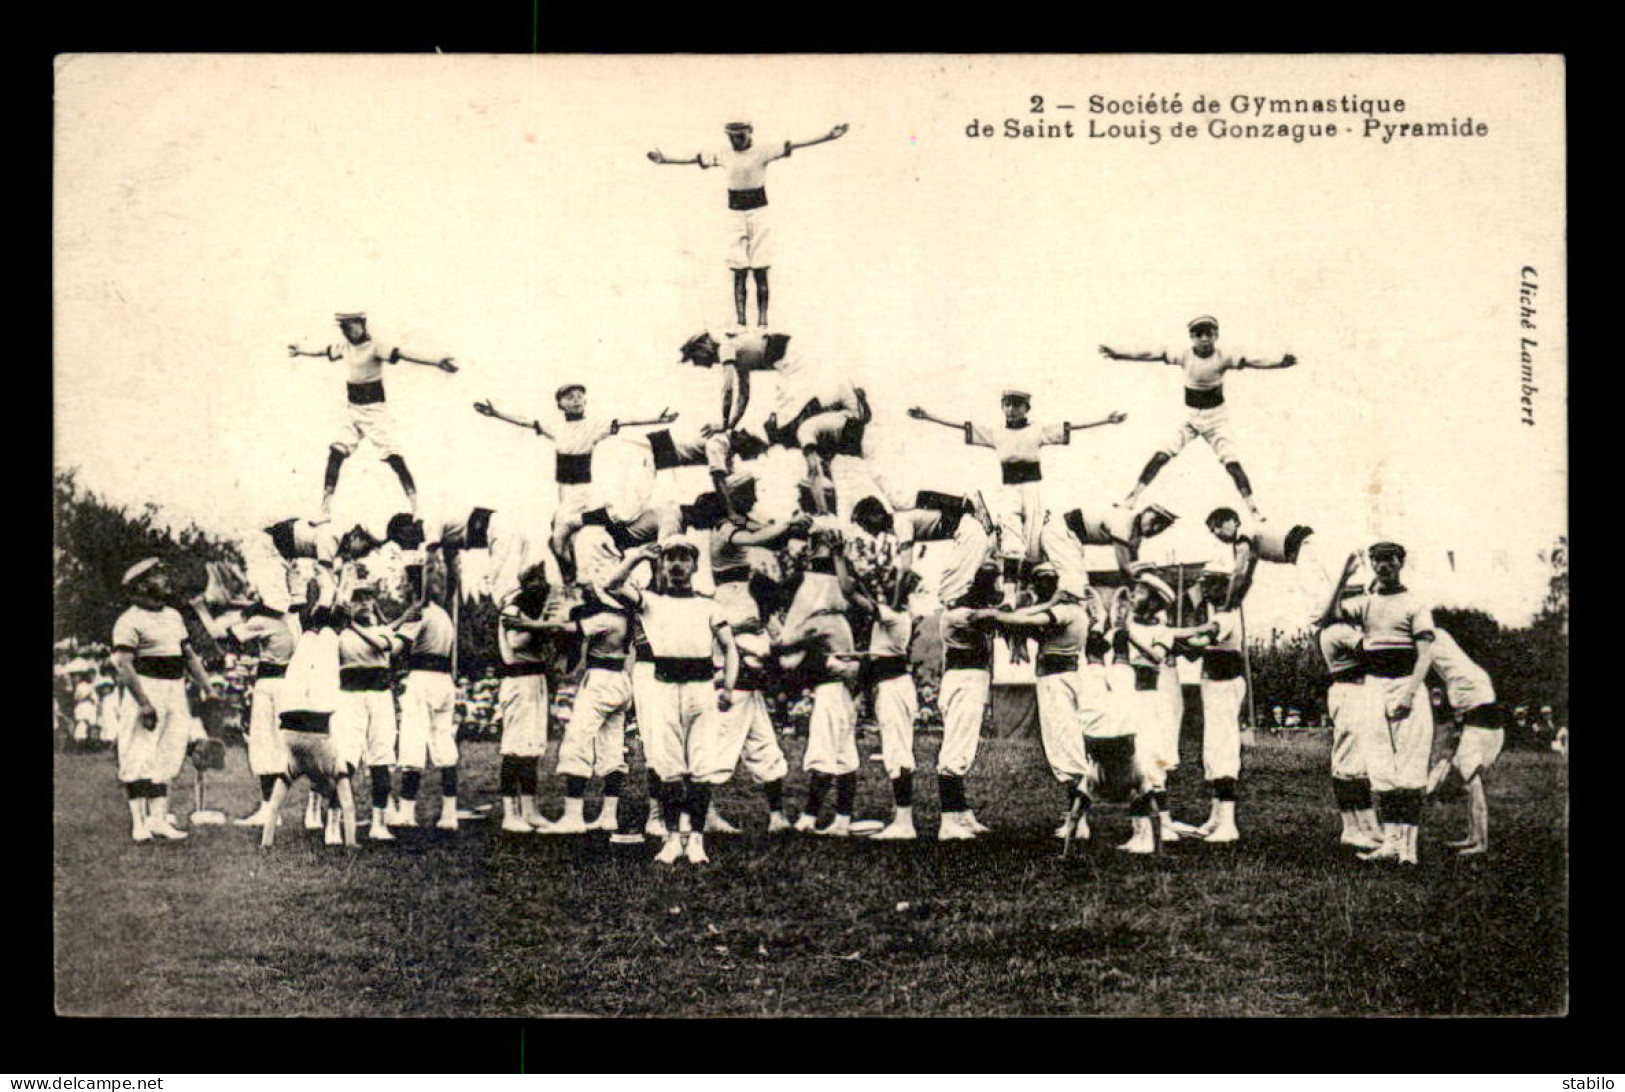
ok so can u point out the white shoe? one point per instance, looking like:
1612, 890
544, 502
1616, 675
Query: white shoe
895, 831
716, 824
605, 822
1360, 840
1387, 851
378, 832
448, 821
140, 834
839, 827
1189, 831
655, 827
568, 824
1169, 834
516, 824
407, 816
953, 829
806, 824
1081, 834
331, 834
973, 824
1141, 840
1224, 832
256, 819
165, 830
313, 815
777, 823
695, 850
669, 852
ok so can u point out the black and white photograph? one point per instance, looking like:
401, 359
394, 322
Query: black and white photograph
810, 535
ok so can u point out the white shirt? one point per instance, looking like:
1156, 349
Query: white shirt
1016, 445
363, 363
1465, 683
747, 170
145, 632
1201, 373
678, 626
891, 633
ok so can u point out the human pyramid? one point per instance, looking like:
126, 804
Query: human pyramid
677, 609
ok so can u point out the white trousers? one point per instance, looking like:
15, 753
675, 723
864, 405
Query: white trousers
1353, 709
267, 756
428, 729
897, 708
747, 733
523, 701
1397, 751
963, 696
1059, 725
157, 753
364, 730
682, 733
832, 731
1221, 727
594, 743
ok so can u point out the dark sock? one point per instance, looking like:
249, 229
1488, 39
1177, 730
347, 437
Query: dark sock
1243, 486
699, 802
902, 789
132, 790
410, 780
1159, 799
671, 804
1386, 807
1158, 461
398, 464
951, 791
267, 784
774, 791
654, 785
508, 776
1223, 788
846, 793
335, 463
380, 786
613, 783
526, 773
448, 781
575, 786
1346, 791
817, 787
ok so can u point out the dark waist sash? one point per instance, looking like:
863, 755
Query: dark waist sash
733, 574
1222, 665
825, 565
366, 394
953, 510
882, 668
363, 678
606, 663
1196, 399
644, 649
573, 469
520, 669
683, 669
623, 538
161, 667
742, 200
1145, 676
303, 720
1021, 471
850, 441
1355, 674
1490, 715
751, 678
666, 455
1294, 542
1390, 663
423, 661
1095, 647
270, 671
1074, 523
282, 538
1056, 663
967, 659
775, 348
478, 536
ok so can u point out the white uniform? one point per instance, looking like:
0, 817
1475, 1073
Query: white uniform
748, 236
1060, 654
747, 728
274, 639
428, 733
1351, 702
1294, 547
1209, 418
897, 702
522, 693
158, 639
940, 517
594, 743
84, 710
310, 698
367, 415
1472, 697
832, 729
364, 731
683, 462
1020, 508
1147, 707
1392, 621
966, 678
494, 531
573, 443
1224, 688
680, 733
1065, 534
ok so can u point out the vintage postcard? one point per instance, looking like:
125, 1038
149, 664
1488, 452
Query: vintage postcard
810, 535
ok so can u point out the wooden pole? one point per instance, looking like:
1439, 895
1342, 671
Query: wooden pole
1248, 737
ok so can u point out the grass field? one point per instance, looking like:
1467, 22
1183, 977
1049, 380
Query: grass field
478, 923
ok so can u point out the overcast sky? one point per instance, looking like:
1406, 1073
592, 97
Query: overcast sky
211, 210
